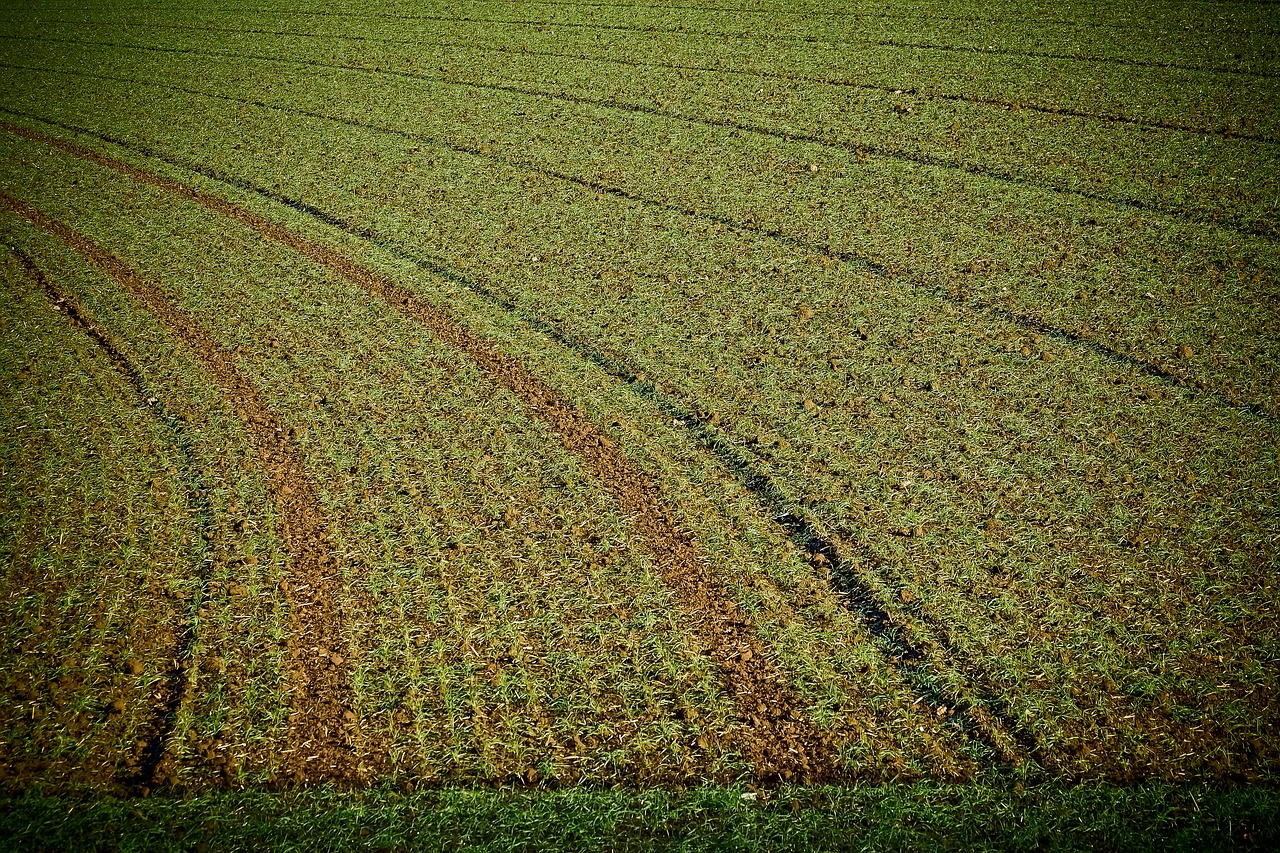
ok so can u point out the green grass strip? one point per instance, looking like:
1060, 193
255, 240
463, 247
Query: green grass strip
920, 816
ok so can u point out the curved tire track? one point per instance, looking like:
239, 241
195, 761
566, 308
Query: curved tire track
1023, 319
175, 687
322, 735
777, 737
994, 727
989, 714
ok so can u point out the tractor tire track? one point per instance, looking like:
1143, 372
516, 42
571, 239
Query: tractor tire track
770, 38
1240, 225
994, 728
175, 687
777, 737
322, 732
923, 94
1023, 319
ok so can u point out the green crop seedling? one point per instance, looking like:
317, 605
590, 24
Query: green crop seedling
578, 425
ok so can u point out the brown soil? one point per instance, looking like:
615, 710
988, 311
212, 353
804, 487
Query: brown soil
777, 737
322, 738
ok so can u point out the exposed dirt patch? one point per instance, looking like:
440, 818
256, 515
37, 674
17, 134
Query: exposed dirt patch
323, 735
777, 737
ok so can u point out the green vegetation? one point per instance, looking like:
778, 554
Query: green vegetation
896, 817
942, 342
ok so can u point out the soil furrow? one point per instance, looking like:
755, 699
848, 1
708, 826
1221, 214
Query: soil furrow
994, 727
1023, 319
771, 37
777, 736
1239, 225
321, 704
174, 688
924, 94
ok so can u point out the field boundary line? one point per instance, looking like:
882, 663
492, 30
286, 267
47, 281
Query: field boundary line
926, 94
322, 720
854, 594
785, 745
176, 687
1235, 223
896, 44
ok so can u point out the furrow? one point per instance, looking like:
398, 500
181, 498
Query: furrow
819, 13
322, 717
782, 744
1236, 224
816, 13
174, 689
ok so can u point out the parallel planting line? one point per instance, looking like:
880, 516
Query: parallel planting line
993, 725
1022, 319
777, 737
175, 687
770, 38
1238, 224
1047, 109
810, 12
1082, 23
322, 727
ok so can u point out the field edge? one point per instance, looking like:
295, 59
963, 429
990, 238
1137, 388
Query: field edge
993, 814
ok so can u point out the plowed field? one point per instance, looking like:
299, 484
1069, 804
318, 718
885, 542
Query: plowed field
574, 395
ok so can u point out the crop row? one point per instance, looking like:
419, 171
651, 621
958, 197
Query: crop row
1193, 99
1048, 526
1252, 52
789, 474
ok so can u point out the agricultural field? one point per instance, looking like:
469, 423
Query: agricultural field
631, 409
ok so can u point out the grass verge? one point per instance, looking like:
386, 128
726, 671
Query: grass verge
923, 815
